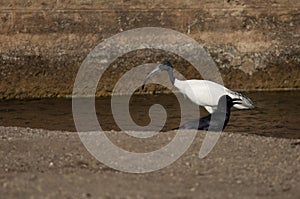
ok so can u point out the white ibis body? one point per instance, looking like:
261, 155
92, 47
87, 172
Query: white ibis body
202, 92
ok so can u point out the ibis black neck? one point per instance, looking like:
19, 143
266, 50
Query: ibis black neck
171, 75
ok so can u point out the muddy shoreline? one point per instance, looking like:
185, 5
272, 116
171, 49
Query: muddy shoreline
54, 164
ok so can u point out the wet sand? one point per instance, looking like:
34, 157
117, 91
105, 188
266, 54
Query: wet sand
54, 164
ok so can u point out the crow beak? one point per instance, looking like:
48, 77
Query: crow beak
156, 70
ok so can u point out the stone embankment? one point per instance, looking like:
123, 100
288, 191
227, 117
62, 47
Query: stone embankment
255, 44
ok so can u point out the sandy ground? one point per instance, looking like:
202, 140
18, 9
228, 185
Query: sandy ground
54, 164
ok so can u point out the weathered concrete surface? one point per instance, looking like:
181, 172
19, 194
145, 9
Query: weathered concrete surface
256, 44
55, 164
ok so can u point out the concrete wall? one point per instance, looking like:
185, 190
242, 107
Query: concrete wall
256, 44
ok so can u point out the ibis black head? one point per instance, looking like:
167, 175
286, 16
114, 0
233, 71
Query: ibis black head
163, 66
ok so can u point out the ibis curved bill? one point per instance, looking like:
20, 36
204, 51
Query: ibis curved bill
156, 70
202, 92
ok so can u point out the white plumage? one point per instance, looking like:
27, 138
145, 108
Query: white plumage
207, 94
202, 92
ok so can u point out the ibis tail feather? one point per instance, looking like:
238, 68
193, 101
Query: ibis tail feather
245, 102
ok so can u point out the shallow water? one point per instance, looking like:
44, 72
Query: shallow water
276, 113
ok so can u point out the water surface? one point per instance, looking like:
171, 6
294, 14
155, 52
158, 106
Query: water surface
276, 113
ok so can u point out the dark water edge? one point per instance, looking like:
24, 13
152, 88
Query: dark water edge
276, 113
